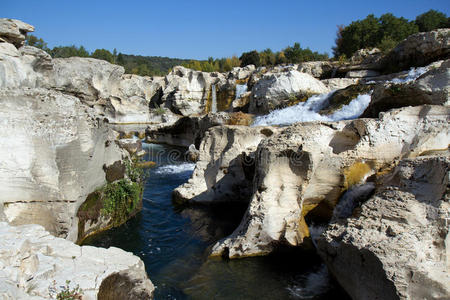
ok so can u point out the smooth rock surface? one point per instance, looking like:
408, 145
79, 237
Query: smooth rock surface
53, 151
32, 261
277, 89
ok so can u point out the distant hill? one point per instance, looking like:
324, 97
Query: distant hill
148, 65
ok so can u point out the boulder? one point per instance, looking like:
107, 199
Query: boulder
131, 145
317, 69
281, 89
242, 73
224, 170
14, 31
395, 245
35, 265
307, 166
430, 88
366, 56
368, 60
419, 50
187, 92
339, 83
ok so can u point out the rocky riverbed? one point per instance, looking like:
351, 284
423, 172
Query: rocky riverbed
349, 160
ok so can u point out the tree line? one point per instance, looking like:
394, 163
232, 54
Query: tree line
289, 55
384, 32
133, 64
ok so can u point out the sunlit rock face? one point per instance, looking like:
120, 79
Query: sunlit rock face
308, 164
36, 264
14, 31
275, 90
225, 166
395, 246
54, 149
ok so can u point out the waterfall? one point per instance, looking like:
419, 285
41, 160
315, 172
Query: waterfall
214, 99
240, 90
309, 111
350, 200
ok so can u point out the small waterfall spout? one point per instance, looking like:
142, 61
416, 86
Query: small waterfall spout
240, 90
214, 99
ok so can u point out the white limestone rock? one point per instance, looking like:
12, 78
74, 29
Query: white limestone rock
14, 31
32, 261
310, 163
224, 169
276, 89
317, 69
396, 246
339, 83
53, 150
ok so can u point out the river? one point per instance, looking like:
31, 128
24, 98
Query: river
173, 242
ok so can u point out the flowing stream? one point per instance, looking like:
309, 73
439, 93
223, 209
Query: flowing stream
214, 99
174, 242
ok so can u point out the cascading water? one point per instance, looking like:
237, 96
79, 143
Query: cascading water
309, 111
240, 90
412, 75
214, 99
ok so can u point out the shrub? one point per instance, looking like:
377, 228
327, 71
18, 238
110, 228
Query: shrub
120, 199
66, 293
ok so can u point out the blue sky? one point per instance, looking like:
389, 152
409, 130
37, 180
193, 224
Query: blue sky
198, 29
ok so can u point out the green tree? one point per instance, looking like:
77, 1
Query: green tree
431, 20
372, 32
103, 54
69, 51
32, 40
120, 60
268, 58
250, 58
294, 54
397, 29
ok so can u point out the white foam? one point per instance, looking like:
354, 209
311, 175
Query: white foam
413, 74
315, 231
351, 198
309, 111
214, 99
311, 285
240, 90
175, 169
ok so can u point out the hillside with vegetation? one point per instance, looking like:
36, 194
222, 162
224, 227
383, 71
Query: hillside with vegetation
384, 32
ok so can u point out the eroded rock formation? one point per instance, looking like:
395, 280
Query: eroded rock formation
308, 164
33, 262
396, 245
225, 168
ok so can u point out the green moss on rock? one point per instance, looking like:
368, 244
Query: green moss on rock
112, 204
